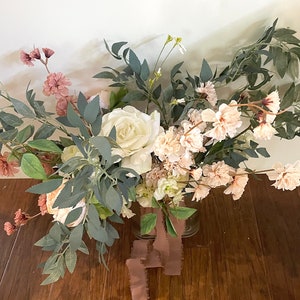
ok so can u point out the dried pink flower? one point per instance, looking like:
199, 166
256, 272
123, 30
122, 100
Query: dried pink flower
21, 217
9, 228
8, 167
62, 104
48, 52
26, 58
42, 204
35, 54
56, 84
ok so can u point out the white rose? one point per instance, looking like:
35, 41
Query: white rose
135, 134
60, 214
69, 152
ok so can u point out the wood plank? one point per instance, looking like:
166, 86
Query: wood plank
245, 249
21, 270
279, 226
230, 230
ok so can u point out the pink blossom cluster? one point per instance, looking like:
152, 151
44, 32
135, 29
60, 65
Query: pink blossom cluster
176, 146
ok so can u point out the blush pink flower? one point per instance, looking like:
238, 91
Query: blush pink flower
8, 167
207, 90
286, 177
56, 84
62, 104
9, 228
167, 145
264, 131
225, 121
26, 58
192, 138
200, 191
272, 102
48, 52
217, 174
237, 186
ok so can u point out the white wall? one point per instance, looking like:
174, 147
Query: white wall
76, 29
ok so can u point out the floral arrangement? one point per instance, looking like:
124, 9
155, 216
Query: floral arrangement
157, 136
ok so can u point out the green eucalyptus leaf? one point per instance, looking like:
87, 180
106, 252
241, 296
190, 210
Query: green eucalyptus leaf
145, 72
91, 110
206, 73
10, 119
70, 260
45, 187
134, 62
53, 277
115, 48
105, 75
22, 109
24, 134
81, 103
133, 96
103, 146
76, 121
96, 125
32, 167
114, 200
44, 145
263, 151
9, 135
44, 132
73, 215
83, 248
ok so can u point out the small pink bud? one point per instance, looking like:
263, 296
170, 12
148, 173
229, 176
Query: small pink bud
48, 52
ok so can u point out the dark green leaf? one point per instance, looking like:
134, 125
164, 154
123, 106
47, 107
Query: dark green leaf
92, 110
145, 72
10, 119
134, 62
44, 131
263, 152
105, 75
81, 103
24, 134
22, 108
206, 73
45, 187
73, 216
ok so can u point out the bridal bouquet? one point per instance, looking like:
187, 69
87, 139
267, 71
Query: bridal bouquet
153, 136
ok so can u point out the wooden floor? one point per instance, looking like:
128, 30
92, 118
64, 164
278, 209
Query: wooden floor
247, 249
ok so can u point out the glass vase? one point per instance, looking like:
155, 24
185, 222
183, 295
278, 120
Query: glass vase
191, 224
